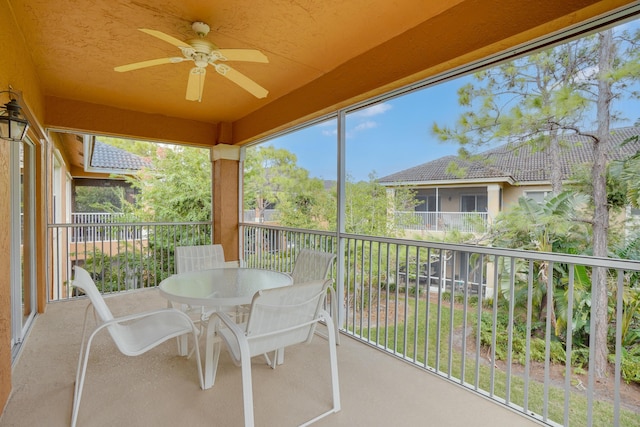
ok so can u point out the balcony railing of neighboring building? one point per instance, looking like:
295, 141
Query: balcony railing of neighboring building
268, 215
465, 222
421, 301
120, 256
94, 229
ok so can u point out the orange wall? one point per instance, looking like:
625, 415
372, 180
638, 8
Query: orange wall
17, 70
105, 120
5, 306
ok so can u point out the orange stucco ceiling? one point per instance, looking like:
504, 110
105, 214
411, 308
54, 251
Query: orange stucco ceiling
322, 54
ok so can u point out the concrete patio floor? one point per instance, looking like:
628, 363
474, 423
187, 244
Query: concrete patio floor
161, 388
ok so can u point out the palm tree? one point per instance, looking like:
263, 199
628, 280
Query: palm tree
550, 226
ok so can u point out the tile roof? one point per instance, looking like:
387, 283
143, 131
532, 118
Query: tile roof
521, 164
106, 156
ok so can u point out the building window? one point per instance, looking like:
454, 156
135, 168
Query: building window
537, 196
473, 203
427, 204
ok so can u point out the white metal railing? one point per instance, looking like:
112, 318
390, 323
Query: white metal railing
470, 314
119, 256
466, 313
466, 222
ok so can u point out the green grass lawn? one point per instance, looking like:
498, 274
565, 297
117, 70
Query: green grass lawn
402, 339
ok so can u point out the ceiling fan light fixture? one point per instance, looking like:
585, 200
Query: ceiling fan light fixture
201, 60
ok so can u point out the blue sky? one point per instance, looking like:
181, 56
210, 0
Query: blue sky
390, 136
393, 135
384, 138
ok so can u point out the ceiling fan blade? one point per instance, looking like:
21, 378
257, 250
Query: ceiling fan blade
241, 80
250, 55
150, 63
195, 85
166, 37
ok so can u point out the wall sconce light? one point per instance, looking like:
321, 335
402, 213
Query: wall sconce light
13, 125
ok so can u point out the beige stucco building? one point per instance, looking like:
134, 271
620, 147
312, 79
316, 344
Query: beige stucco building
496, 181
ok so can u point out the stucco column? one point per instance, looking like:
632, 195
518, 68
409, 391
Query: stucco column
494, 205
226, 198
494, 202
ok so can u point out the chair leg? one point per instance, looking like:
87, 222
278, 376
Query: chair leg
77, 387
80, 377
335, 386
183, 342
334, 313
198, 360
268, 360
278, 358
333, 356
212, 352
247, 390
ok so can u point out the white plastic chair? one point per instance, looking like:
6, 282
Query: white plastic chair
195, 258
311, 265
133, 335
201, 257
315, 265
278, 318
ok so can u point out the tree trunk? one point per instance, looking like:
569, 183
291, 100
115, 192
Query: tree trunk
555, 161
601, 207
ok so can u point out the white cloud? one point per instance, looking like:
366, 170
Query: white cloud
369, 124
374, 110
360, 117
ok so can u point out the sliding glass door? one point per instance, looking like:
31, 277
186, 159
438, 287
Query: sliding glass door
23, 289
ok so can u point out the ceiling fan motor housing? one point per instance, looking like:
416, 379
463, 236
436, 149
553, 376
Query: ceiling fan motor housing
200, 28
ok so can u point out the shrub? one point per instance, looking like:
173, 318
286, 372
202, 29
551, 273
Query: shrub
630, 364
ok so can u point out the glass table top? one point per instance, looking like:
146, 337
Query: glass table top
221, 286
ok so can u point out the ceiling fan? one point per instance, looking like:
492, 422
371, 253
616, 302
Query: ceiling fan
202, 52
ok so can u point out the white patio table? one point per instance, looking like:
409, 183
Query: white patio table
219, 289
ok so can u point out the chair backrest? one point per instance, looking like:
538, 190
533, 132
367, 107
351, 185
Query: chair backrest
202, 257
284, 316
311, 265
131, 338
120, 334
83, 280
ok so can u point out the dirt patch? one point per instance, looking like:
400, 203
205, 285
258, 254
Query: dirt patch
604, 389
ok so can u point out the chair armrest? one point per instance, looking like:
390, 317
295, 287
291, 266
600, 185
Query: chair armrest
324, 314
239, 348
144, 314
229, 323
